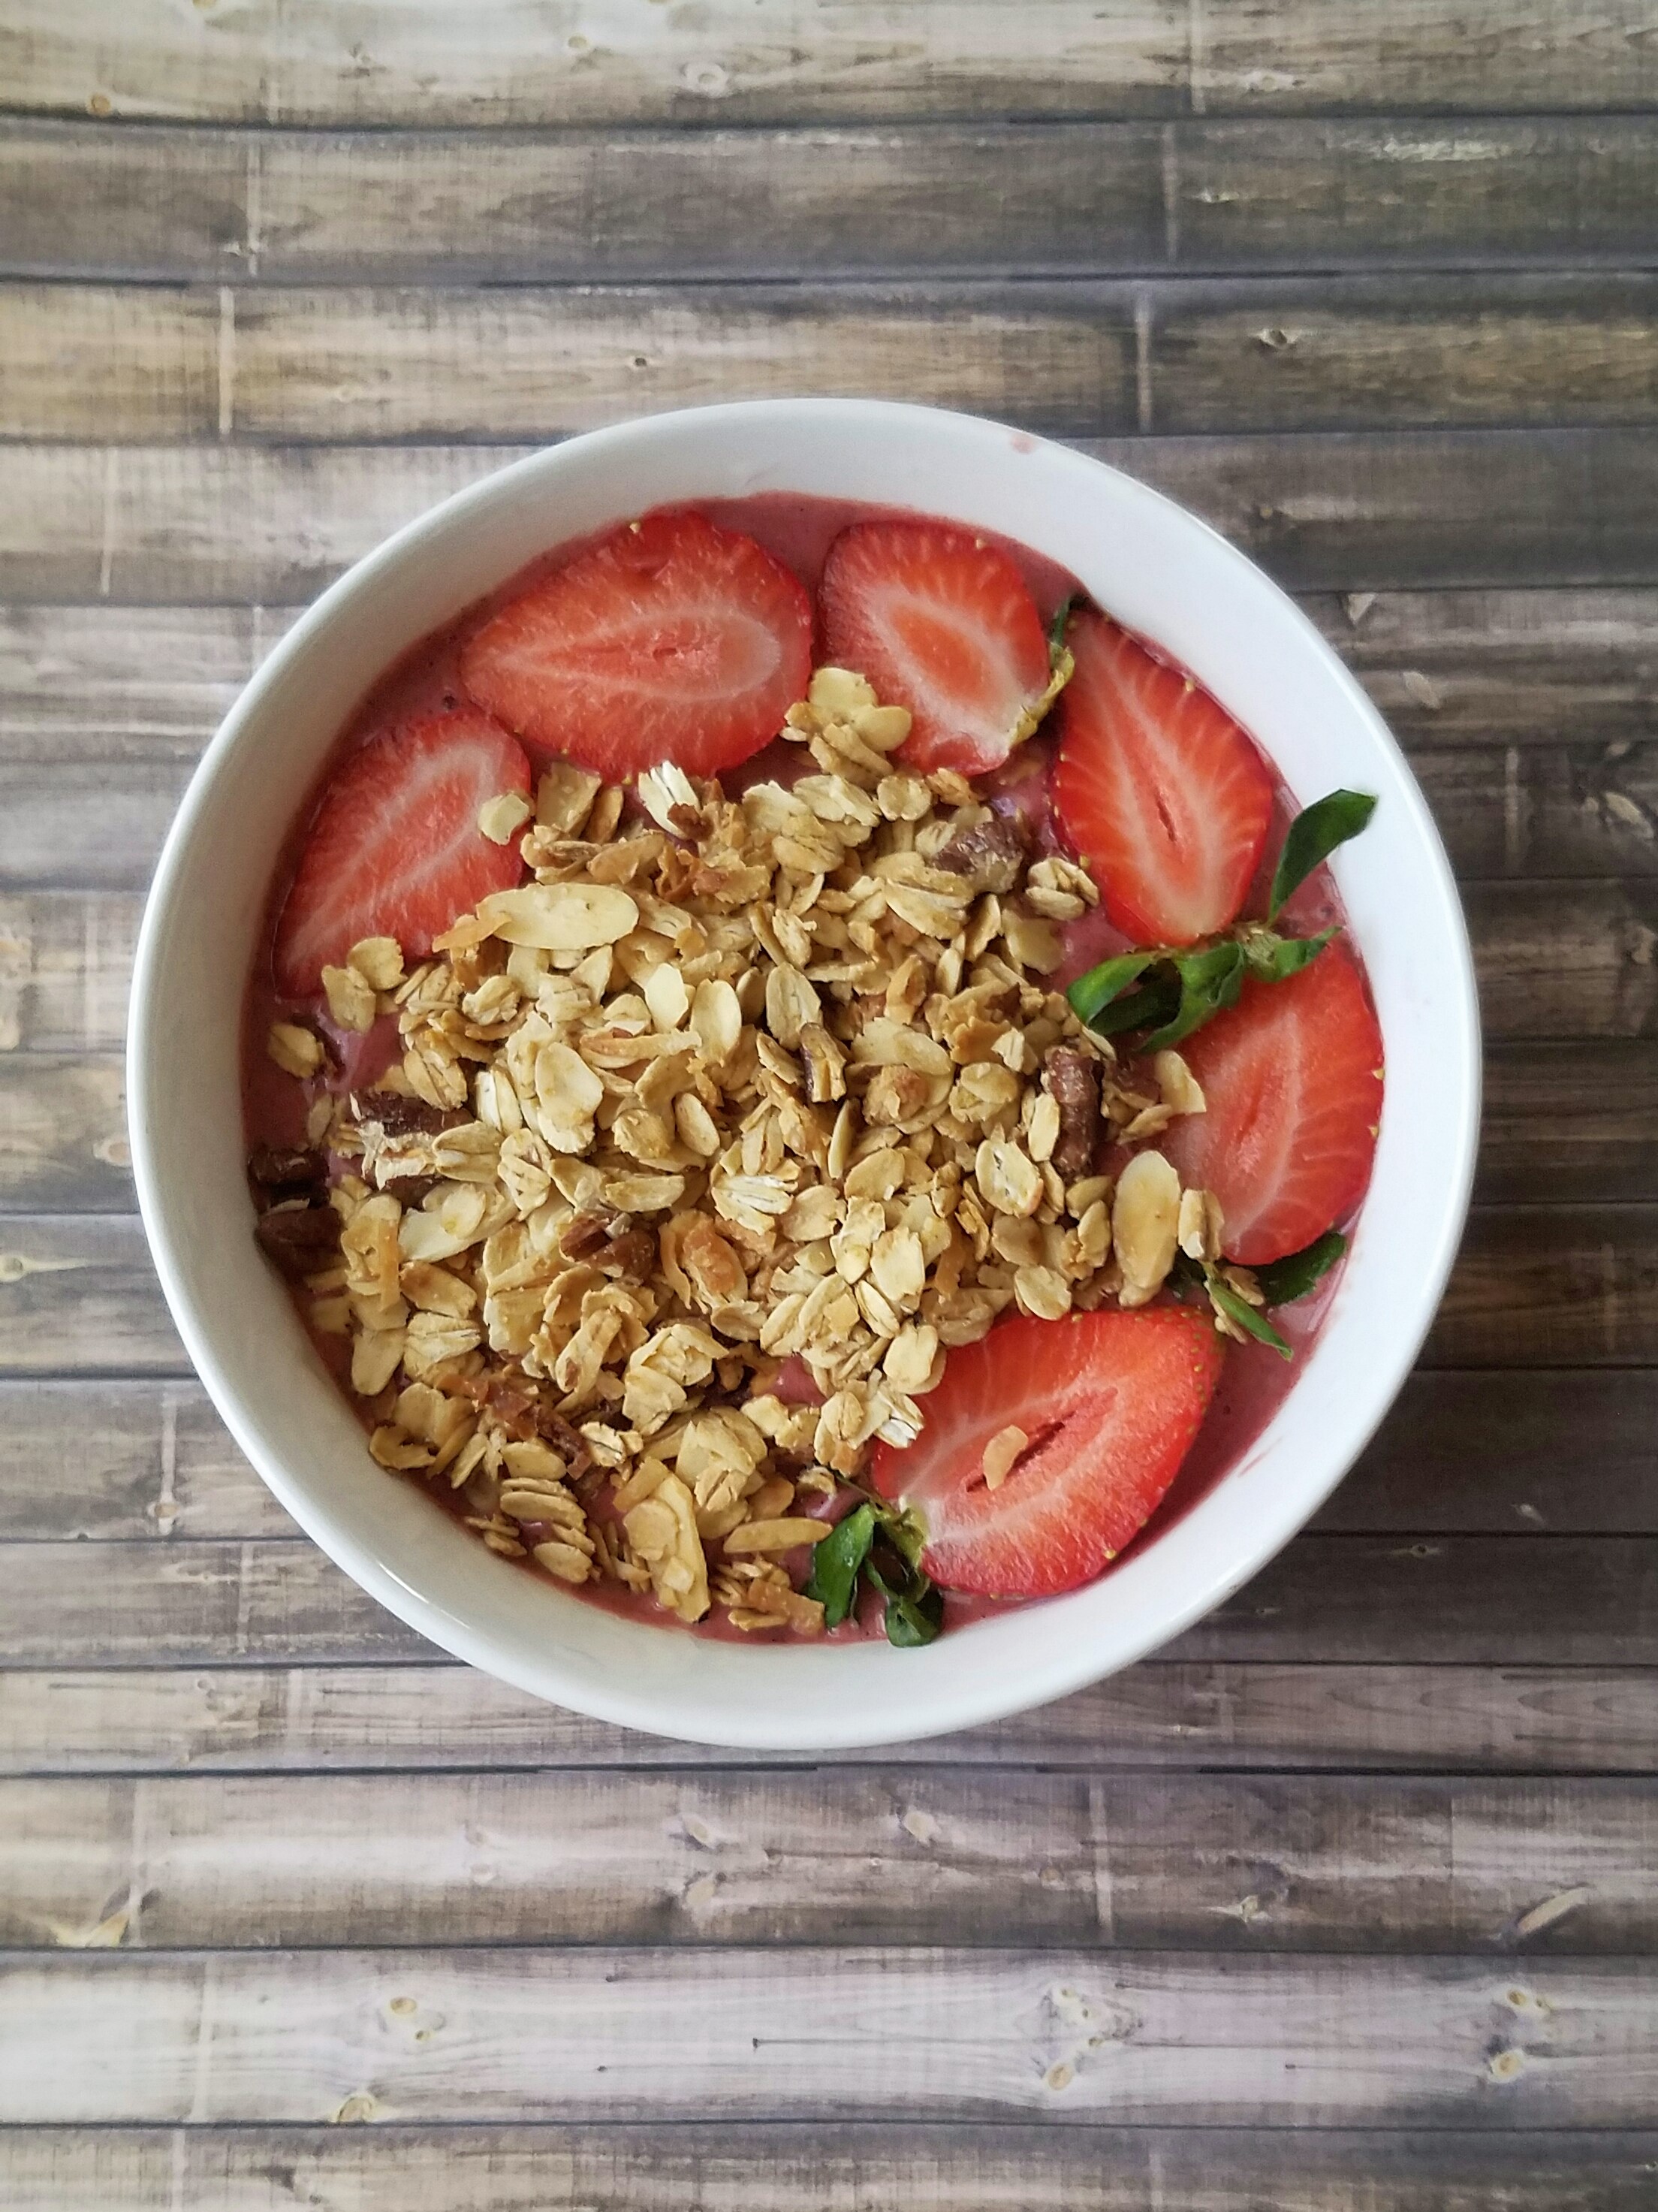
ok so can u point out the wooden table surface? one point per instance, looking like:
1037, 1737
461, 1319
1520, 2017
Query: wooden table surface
1347, 1898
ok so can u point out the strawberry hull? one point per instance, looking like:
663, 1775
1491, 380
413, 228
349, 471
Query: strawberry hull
1251, 1381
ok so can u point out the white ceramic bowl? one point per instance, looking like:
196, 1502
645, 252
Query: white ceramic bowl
1163, 574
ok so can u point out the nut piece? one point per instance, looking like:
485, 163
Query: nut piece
351, 1000
296, 1050
1201, 1224
1000, 1454
560, 917
500, 816
378, 961
992, 853
776, 1535
1073, 1078
662, 1529
1181, 1092
1145, 1226
564, 797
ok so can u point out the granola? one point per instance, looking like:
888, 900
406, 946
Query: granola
701, 1149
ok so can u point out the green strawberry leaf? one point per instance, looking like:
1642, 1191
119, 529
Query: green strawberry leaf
1312, 836
1209, 979
1095, 990
835, 1563
1247, 1316
1056, 629
914, 1614
1272, 958
1283, 1281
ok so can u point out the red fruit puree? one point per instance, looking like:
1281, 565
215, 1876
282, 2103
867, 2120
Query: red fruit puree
798, 531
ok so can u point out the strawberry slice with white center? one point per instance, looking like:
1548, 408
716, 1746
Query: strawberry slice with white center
1109, 1403
673, 640
941, 622
1291, 1079
394, 849
1160, 793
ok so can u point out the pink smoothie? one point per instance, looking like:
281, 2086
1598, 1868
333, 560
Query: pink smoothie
799, 531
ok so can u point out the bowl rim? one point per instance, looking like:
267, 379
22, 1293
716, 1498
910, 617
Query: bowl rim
461, 1636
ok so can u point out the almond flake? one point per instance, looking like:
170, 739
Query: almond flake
566, 917
499, 818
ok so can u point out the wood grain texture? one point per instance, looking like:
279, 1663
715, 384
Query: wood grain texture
1491, 1452
536, 62
140, 362
1556, 960
447, 208
1008, 2167
227, 523
602, 2033
1399, 1716
1305, 1863
62, 1133
1466, 1601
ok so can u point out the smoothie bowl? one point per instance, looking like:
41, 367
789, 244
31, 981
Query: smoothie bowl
803, 1073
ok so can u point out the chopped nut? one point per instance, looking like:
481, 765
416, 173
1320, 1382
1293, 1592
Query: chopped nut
992, 852
499, 818
1073, 1082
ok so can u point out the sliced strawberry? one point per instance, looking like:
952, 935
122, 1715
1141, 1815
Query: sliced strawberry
1111, 1402
672, 639
394, 849
1292, 1078
1159, 790
940, 623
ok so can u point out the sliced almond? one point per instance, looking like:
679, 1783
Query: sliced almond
568, 917
1145, 1226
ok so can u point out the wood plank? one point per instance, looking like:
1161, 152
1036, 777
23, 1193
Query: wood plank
1487, 1452
1408, 1718
65, 967
1540, 1601
1509, 1450
1568, 1122
1464, 670
1005, 2167
140, 362
541, 62
1565, 960
84, 686
1552, 1286
1556, 960
525, 362
1450, 666
619, 2034
78, 1292
446, 208
1355, 512
62, 1133
1444, 352
134, 1459
1308, 1864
